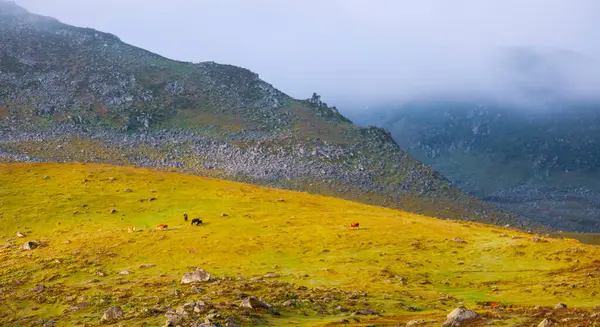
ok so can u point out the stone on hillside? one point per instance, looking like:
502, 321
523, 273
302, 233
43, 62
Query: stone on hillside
125, 272
38, 289
19, 234
459, 240
147, 265
173, 319
199, 275
185, 309
127, 190
100, 273
252, 302
365, 312
113, 313
223, 214
30, 245
547, 322
415, 322
458, 315
271, 275
560, 306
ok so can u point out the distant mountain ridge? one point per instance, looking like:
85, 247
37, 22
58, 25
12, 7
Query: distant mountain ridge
535, 152
77, 94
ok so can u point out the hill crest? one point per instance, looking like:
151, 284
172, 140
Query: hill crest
75, 94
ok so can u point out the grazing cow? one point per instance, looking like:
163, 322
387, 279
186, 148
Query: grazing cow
196, 221
130, 229
185, 216
354, 225
162, 227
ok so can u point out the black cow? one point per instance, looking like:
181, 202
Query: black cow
196, 221
185, 216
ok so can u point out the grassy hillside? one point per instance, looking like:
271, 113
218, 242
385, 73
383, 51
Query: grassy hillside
315, 270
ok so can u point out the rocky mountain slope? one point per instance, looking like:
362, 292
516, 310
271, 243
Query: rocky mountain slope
77, 94
542, 164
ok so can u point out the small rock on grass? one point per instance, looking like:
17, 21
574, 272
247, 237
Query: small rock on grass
199, 275
147, 265
30, 245
253, 302
113, 313
547, 323
458, 315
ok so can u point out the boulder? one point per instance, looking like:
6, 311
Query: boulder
560, 306
458, 315
19, 234
199, 275
113, 313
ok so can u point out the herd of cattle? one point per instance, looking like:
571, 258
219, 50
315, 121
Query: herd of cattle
198, 221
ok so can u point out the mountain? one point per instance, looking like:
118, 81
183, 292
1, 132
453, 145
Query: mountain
534, 151
77, 94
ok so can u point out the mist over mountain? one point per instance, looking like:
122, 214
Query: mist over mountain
530, 145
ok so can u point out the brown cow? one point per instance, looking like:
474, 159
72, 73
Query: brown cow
130, 229
354, 225
162, 227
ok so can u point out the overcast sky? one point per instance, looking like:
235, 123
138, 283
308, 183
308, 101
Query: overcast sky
342, 49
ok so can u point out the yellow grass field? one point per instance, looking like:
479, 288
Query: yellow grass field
409, 266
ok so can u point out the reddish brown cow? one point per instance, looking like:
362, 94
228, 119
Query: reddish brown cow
354, 225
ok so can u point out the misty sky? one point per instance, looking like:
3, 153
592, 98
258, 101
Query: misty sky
342, 49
